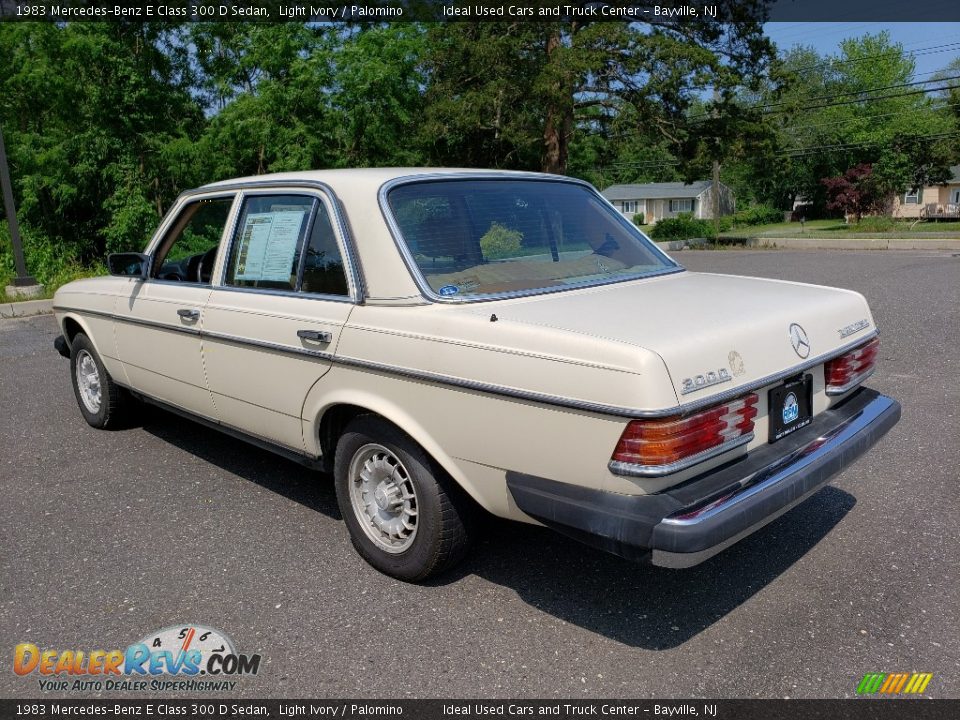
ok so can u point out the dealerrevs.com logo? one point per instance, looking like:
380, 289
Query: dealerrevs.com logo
186, 653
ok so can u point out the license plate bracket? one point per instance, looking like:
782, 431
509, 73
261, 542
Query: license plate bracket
790, 406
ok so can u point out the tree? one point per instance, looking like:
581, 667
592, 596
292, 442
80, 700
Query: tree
524, 94
91, 109
859, 107
857, 192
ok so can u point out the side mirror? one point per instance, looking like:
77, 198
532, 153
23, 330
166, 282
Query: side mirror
135, 265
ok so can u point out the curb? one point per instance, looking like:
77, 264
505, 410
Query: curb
672, 245
856, 243
26, 308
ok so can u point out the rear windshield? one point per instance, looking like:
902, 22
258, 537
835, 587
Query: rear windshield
477, 237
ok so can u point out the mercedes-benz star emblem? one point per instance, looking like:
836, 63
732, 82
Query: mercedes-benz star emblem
799, 340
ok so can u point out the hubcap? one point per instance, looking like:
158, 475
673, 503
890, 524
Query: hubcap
383, 498
88, 381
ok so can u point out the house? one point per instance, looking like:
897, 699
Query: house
665, 200
934, 202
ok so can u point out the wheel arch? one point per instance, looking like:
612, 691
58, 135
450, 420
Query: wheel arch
342, 407
72, 324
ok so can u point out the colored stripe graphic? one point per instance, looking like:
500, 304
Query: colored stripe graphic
894, 683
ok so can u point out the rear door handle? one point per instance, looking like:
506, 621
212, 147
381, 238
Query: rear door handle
317, 335
188, 313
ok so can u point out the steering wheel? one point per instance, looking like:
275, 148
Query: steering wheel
205, 266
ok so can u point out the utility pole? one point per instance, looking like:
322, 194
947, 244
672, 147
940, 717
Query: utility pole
715, 194
23, 284
715, 188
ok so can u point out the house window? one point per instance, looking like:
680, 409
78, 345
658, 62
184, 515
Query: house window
629, 206
681, 205
912, 197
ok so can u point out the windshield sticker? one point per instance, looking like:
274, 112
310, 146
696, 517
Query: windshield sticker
268, 244
448, 290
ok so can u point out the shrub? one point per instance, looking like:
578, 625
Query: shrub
500, 242
683, 227
757, 215
639, 219
46, 260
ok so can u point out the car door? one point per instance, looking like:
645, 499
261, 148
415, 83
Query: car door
273, 320
158, 324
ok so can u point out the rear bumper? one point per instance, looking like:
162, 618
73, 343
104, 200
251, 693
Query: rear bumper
687, 524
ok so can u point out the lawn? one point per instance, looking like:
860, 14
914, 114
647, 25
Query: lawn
838, 229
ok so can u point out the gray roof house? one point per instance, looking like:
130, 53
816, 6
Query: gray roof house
663, 200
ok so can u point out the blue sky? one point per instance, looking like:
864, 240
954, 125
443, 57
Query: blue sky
919, 38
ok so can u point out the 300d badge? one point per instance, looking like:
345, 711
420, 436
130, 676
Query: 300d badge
714, 377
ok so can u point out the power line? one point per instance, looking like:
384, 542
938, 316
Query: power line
770, 111
795, 152
920, 52
866, 118
880, 97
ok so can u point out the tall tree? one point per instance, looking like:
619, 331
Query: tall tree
521, 94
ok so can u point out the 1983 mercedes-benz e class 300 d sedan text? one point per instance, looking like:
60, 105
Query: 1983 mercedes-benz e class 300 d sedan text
447, 339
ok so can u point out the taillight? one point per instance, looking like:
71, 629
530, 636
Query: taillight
852, 368
668, 441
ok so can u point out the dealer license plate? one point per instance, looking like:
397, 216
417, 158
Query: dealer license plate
790, 406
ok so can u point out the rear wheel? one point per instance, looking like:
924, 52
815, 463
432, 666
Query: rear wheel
405, 515
103, 403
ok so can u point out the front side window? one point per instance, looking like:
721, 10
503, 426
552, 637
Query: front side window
480, 237
189, 250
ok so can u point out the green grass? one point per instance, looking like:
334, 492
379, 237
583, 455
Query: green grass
839, 230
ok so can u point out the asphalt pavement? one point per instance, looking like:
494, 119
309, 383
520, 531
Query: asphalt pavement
106, 536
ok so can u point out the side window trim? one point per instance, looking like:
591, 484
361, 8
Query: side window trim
319, 195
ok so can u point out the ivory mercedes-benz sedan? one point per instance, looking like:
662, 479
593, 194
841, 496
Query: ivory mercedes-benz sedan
449, 340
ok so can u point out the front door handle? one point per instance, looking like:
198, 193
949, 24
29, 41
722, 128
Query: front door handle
188, 314
317, 335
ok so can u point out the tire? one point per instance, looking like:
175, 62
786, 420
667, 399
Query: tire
401, 479
103, 403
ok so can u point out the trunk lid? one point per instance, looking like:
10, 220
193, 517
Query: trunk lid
738, 328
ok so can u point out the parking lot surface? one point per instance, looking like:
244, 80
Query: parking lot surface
107, 536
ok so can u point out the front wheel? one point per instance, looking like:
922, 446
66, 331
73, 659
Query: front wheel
405, 515
103, 403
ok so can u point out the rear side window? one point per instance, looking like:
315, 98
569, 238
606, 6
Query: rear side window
268, 242
286, 242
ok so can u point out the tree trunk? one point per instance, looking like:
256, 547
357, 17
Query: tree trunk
559, 122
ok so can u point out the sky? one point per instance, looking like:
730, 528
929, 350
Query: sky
923, 39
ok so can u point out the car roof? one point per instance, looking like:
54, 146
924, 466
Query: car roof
372, 176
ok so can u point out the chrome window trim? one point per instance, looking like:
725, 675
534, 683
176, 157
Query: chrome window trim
584, 405
287, 293
429, 294
635, 470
